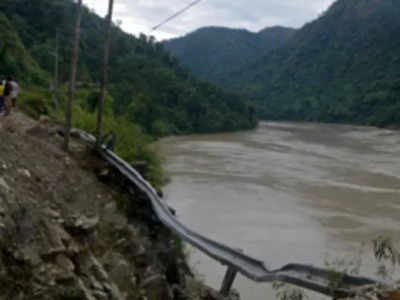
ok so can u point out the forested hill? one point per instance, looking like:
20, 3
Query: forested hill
213, 52
147, 85
343, 67
14, 58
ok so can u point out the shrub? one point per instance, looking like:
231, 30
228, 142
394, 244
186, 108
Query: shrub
132, 144
34, 102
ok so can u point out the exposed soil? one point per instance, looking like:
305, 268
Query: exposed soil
69, 229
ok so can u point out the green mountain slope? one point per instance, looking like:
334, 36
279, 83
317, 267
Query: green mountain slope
343, 67
213, 52
146, 84
14, 58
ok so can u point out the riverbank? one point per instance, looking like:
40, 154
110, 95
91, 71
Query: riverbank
70, 231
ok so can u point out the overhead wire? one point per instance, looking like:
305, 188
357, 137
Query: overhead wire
177, 14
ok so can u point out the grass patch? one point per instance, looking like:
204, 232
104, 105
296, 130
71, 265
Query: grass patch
132, 144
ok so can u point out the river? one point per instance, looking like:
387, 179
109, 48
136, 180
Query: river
287, 192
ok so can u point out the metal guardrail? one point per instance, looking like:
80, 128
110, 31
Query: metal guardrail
304, 276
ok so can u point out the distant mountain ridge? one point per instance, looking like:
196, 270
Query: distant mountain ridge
213, 52
343, 67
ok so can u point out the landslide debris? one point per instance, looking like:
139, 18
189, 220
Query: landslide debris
69, 229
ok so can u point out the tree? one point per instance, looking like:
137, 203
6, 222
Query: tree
68, 108
103, 83
139, 73
55, 81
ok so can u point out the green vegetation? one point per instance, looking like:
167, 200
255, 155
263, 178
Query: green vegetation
386, 260
34, 102
148, 85
343, 67
214, 52
149, 95
133, 144
14, 59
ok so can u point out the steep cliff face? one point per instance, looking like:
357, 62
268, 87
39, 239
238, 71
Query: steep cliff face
69, 231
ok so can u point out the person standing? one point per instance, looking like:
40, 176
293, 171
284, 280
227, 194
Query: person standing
1, 95
14, 92
8, 96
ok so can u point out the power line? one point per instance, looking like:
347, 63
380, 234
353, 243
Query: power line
177, 14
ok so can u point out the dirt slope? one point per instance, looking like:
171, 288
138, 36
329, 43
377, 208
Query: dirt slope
69, 231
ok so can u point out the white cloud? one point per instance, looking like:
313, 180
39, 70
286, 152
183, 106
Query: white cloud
141, 15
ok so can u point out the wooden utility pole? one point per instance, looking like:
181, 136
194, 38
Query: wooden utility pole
74, 63
103, 83
55, 83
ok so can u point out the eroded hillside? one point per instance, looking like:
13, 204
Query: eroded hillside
70, 229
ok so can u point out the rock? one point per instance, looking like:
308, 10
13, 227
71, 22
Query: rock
54, 240
83, 223
44, 119
120, 271
87, 294
4, 185
104, 173
73, 248
100, 295
25, 173
103, 278
156, 287
3, 165
134, 282
98, 269
53, 214
114, 292
95, 284
65, 263
111, 207
28, 256
67, 161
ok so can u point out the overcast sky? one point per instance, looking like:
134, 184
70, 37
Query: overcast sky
141, 15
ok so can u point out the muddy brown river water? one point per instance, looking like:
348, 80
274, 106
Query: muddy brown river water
305, 193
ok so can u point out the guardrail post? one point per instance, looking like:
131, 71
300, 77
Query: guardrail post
227, 284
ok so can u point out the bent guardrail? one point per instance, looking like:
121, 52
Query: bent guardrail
304, 276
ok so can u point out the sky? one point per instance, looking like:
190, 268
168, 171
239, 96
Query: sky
139, 16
